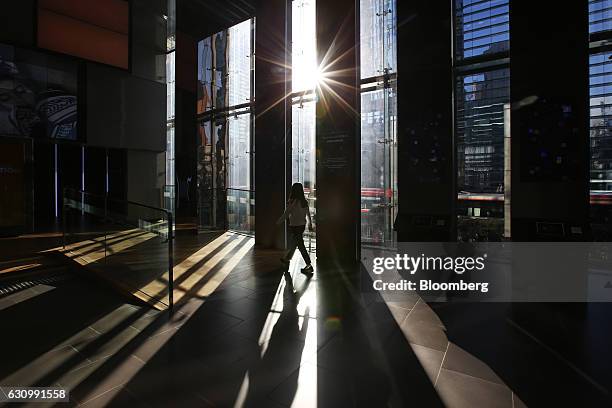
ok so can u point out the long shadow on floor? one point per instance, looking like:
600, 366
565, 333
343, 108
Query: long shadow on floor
276, 364
216, 357
53, 318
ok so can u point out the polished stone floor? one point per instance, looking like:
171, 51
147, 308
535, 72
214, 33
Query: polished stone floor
262, 336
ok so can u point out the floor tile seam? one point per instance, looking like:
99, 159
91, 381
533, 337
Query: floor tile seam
442, 363
102, 393
502, 384
409, 313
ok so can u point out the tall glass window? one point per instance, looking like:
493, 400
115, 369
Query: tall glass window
600, 101
480, 131
224, 104
303, 46
378, 121
170, 189
481, 94
304, 77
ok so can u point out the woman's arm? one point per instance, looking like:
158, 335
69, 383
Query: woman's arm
285, 214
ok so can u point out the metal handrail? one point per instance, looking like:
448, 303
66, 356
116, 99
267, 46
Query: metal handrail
106, 199
239, 189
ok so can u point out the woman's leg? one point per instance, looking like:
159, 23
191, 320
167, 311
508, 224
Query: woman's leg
292, 244
299, 238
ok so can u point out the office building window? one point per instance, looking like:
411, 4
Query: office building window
600, 103
479, 131
482, 27
600, 16
481, 95
600, 93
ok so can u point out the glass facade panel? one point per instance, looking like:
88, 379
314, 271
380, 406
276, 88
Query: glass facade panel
601, 123
480, 131
225, 94
303, 133
482, 33
303, 45
600, 101
378, 37
239, 63
378, 165
378, 122
205, 75
600, 16
169, 190
304, 77
239, 157
482, 27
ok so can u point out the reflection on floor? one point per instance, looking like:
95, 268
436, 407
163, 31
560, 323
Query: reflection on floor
137, 262
247, 333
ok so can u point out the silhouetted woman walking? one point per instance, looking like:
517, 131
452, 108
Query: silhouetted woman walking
297, 212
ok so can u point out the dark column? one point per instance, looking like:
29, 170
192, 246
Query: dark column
338, 133
425, 122
271, 126
549, 121
185, 125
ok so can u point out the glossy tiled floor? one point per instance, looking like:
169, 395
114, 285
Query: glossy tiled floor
264, 337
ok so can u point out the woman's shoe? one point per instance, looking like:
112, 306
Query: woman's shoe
307, 270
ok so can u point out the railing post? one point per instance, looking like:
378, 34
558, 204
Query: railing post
64, 219
170, 263
105, 224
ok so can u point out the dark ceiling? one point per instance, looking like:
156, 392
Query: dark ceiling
200, 18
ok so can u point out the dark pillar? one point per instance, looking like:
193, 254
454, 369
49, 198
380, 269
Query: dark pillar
549, 121
425, 122
338, 133
185, 126
271, 126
